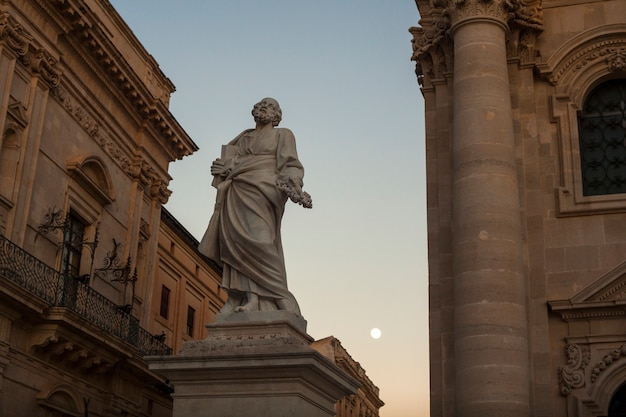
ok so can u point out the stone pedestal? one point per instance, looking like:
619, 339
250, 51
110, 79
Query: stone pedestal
254, 365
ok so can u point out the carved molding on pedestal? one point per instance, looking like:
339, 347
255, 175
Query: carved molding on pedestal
254, 331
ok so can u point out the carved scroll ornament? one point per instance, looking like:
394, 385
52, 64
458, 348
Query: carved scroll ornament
31, 55
572, 375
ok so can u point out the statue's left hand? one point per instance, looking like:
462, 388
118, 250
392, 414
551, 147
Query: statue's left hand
292, 188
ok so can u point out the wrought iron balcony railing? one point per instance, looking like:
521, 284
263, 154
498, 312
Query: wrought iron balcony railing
62, 290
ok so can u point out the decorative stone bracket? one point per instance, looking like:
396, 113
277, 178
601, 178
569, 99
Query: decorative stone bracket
50, 343
572, 375
29, 53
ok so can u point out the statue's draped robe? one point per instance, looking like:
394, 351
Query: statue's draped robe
244, 232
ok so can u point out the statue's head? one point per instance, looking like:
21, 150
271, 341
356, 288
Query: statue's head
267, 111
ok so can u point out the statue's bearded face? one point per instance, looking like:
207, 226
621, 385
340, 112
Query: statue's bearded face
267, 111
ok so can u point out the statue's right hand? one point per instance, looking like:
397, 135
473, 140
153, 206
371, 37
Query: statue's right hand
217, 167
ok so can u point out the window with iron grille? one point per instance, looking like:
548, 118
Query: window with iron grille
602, 136
73, 238
165, 302
191, 317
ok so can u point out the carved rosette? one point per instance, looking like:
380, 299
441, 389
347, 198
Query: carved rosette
572, 375
432, 43
616, 59
31, 55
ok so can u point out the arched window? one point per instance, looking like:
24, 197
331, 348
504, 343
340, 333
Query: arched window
602, 136
618, 403
60, 403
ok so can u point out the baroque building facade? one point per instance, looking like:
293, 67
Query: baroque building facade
95, 274
366, 402
525, 118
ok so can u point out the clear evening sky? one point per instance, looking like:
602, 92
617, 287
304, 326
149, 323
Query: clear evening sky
341, 71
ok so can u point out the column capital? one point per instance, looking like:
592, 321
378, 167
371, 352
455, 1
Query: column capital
526, 13
432, 42
432, 46
462, 11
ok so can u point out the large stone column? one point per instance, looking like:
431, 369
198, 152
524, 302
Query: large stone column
491, 341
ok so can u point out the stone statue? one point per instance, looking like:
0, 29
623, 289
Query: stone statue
256, 174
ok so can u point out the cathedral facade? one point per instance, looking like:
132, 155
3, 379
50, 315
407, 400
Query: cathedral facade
525, 120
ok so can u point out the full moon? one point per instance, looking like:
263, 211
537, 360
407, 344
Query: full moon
375, 333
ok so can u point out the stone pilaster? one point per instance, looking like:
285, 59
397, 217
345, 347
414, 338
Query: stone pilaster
491, 337
5, 334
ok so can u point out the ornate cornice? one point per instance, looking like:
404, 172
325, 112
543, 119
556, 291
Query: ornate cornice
590, 314
28, 52
87, 36
615, 292
432, 42
605, 297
